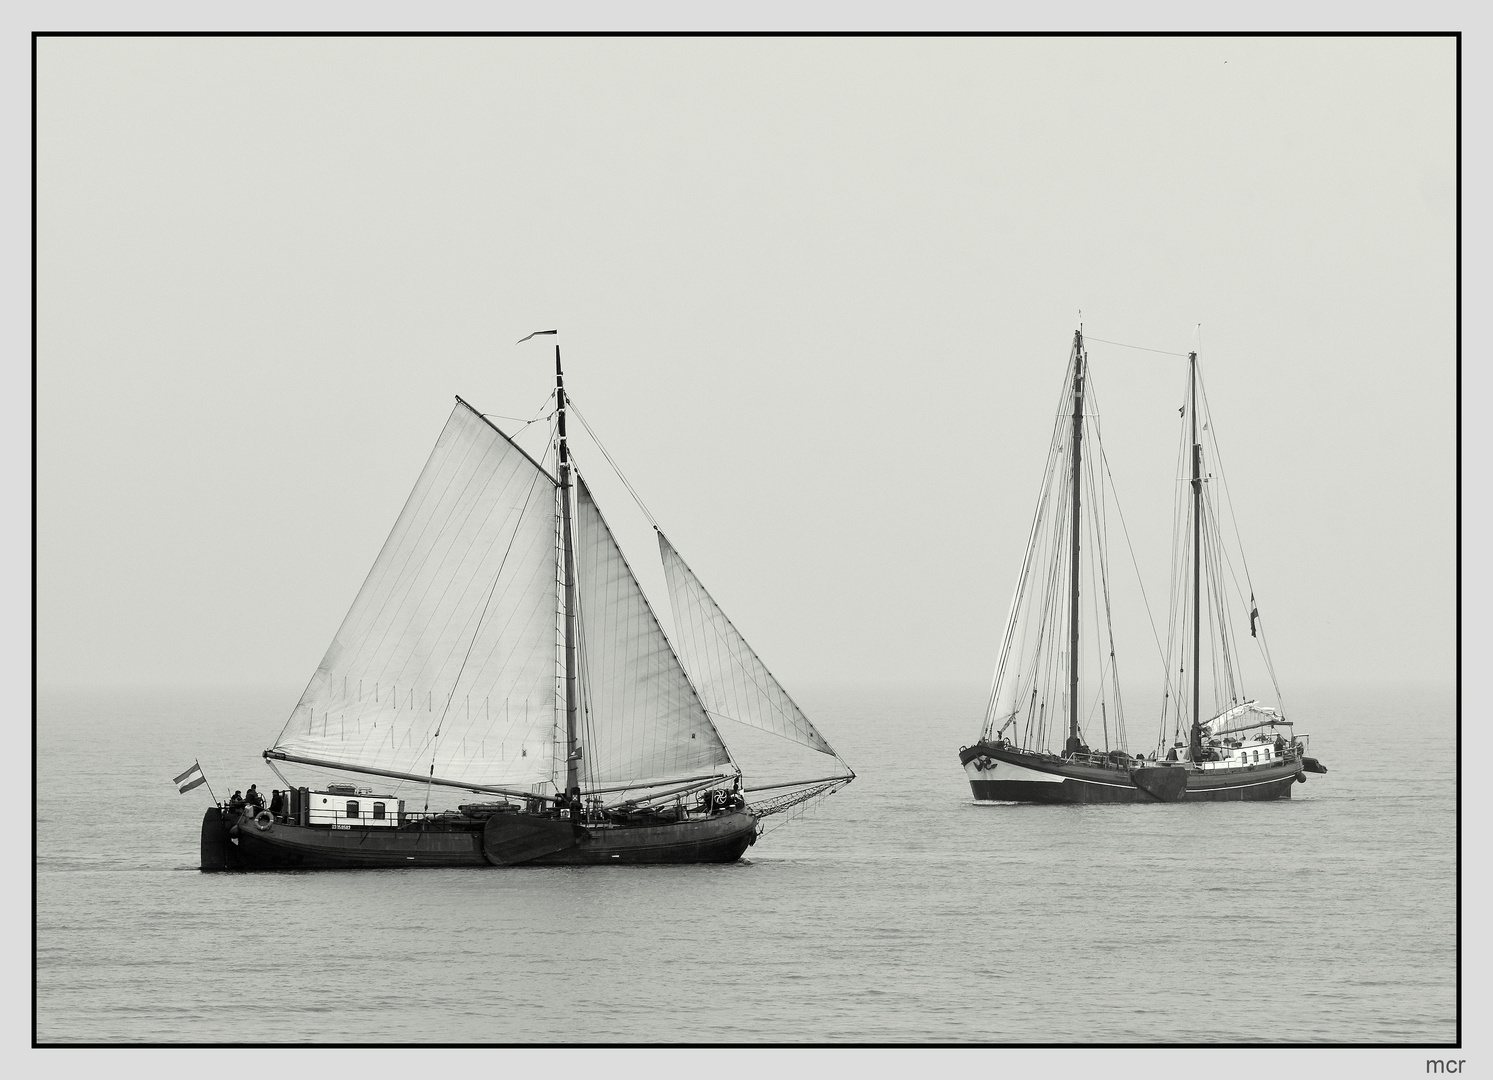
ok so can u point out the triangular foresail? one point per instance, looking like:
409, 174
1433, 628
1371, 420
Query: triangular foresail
640, 719
445, 664
732, 681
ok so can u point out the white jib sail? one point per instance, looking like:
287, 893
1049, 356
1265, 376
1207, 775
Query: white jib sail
736, 686
446, 663
640, 720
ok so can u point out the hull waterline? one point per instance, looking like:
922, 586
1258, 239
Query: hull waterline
1005, 774
244, 844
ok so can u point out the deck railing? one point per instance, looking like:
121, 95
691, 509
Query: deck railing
1104, 761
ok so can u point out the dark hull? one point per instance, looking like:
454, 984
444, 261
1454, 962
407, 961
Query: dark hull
245, 846
1022, 777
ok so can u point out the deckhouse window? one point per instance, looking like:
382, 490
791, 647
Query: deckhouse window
378, 811
352, 808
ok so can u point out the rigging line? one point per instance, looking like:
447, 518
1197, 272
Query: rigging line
795, 801
1018, 603
1227, 563
585, 680
1048, 585
1018, 599
1105, 579
1131, 547
1222, 561
1223, 477
1179, 611
539, 414
522, 426
446, 705
1218, 602
1055, 689
625, 483
1142, 348
1042, 663
1094, 568
1099, 566
520, 419
1101, 548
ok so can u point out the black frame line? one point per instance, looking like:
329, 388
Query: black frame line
1454, 35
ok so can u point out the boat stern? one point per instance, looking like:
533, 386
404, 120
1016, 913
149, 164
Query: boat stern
219, 852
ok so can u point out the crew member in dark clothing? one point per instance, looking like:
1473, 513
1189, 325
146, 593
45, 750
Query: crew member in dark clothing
253, 798
277, 802
1280, 746
236, 803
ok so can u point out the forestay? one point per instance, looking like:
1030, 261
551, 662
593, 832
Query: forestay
640, 720
445, 665
732, 681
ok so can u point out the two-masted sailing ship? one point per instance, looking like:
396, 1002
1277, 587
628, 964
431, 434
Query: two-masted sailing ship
502, 647
1054, 729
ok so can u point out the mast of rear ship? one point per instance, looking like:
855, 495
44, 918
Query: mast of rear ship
1078, 373
1195, 742
572, 762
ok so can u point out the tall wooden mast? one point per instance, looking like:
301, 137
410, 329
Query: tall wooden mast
572, 762
1196, 740
1073, 740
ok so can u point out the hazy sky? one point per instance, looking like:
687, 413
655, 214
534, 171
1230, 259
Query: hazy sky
815, 295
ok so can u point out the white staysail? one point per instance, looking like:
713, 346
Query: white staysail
445, 665
732, 681
736, 686
640, 719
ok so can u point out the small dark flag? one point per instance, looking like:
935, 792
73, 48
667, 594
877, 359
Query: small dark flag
1254, 614
191, 778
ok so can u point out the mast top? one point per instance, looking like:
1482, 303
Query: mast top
564, 446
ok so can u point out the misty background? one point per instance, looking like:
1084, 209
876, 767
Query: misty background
815, 296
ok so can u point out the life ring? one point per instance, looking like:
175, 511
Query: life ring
264, 820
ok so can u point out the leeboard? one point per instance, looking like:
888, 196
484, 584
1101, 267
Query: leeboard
510, 839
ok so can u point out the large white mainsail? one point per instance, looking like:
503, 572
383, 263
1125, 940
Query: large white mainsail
736, 686
641, 721
445, 665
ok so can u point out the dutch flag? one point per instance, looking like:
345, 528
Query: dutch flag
190, 779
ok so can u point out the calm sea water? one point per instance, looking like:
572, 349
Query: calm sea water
897, 910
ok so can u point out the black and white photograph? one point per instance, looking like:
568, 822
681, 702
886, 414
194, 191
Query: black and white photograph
547, 537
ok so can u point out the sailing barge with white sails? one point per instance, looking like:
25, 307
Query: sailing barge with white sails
502, 646
1239, 750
